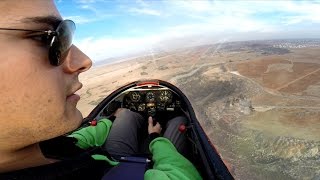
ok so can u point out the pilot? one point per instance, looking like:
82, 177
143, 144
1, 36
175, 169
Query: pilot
39, 71
132, 138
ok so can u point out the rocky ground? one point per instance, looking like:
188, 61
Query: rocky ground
223, 104
257, 124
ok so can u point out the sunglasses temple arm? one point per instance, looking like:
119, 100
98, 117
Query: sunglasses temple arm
49, 32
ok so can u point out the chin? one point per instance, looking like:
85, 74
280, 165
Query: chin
75, 118
78, 117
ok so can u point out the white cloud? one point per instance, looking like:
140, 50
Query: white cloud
106, 47
144, 8
311, 17
80, 19
205, 9
145, 11
223, 24
171, 37
215, 19
97, 15
142, 3
90, 7
86, 1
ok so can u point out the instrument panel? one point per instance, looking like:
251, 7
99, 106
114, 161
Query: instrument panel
151, 101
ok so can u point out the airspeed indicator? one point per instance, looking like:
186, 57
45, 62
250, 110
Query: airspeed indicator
135, 97
165, 96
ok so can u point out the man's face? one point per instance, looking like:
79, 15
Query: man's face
37, 101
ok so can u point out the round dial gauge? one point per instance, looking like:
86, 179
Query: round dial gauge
135, 96
165, 96
132, 107
150, 97
141, 107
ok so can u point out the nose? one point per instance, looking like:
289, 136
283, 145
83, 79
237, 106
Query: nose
76, 61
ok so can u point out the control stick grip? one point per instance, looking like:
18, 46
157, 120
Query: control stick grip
154, 121
152, 112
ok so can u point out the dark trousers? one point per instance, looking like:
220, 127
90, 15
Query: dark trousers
125, 137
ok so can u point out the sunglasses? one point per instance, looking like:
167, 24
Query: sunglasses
59, 41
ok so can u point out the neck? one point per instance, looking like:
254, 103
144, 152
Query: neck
30, 156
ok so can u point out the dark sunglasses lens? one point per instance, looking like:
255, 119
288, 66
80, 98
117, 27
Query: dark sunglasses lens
62, 42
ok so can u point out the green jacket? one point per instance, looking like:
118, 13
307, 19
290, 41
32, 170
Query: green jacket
169, 164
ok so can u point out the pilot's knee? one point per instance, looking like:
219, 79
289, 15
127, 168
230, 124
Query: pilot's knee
127, 114
120, 111
177, 121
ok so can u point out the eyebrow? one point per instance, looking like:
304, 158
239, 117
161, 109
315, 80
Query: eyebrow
52, 21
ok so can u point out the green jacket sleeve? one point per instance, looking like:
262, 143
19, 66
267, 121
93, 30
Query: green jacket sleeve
92, 136
169, 164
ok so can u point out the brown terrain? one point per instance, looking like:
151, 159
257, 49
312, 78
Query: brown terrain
260, 105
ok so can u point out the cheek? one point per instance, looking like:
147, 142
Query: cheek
30, 84
32, 98
45, 95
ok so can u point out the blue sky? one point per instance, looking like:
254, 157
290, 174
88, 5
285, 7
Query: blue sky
111, 28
